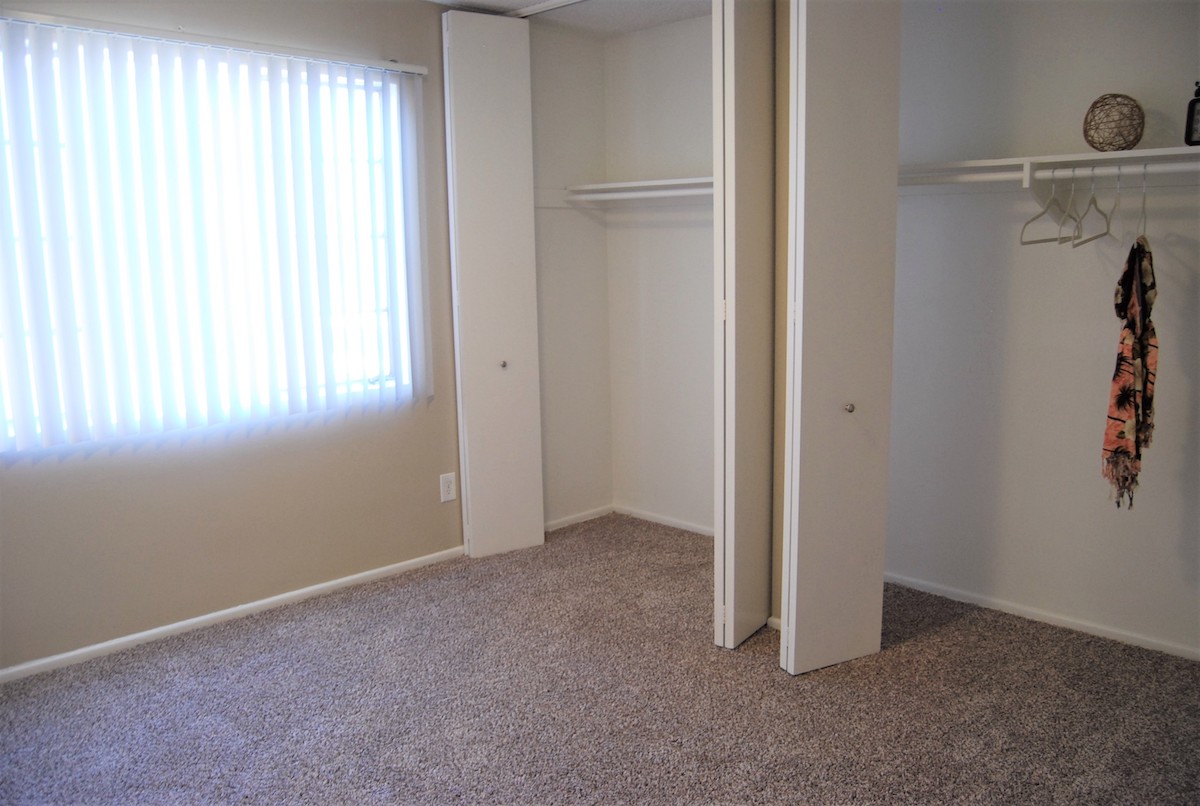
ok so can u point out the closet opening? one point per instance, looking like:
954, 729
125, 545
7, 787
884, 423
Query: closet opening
652, 173
623, 166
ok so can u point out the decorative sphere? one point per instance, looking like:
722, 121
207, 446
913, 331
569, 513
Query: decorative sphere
1113, 122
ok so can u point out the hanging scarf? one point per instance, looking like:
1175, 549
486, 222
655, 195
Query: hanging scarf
1131, 405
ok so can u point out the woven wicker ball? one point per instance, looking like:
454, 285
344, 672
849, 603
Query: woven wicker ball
1113, 122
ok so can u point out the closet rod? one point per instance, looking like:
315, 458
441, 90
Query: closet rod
630, 195
641, 189
1025, 170
1060, 173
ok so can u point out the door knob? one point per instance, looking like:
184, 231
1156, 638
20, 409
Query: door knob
503, 365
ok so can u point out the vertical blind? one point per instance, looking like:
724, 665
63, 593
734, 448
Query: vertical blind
193, 235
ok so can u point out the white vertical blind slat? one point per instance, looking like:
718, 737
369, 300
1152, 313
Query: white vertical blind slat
35, 292
377, 239
15, 369
413, 337
63, 127
142, 228
291, 339
357, 254
172, 311
95, 215
264, 164
398, 248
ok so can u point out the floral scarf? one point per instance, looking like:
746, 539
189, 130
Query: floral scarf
1131, 405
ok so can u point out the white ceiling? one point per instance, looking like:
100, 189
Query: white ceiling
599, 17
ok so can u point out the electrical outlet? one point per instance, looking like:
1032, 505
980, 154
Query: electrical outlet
449, 487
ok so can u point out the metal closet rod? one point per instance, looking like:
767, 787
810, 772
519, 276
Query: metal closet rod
641, 189
1060, 173
640, 194
1154, 161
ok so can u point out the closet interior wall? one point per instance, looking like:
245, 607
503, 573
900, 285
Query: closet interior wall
1004, 353
625, 291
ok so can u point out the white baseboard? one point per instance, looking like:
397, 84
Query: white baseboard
570, 520
580, 517
127, 641
664, 520
775, 623
1124, 636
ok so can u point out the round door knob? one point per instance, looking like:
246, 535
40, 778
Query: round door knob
849, 407
503, 365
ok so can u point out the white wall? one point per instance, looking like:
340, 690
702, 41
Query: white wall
1004, 353
572, 273
660, 293
625, 294
997, 78
658, 102
100, 546
658, 124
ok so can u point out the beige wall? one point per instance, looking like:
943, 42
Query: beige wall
96, 547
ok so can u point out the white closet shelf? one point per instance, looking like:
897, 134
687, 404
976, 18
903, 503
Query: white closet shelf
645, 189
1025, 170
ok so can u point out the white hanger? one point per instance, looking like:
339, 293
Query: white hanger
1142, 218
1117, 200
1069, 214
1094, 205
1045, 211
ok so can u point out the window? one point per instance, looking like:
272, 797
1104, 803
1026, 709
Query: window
193, 235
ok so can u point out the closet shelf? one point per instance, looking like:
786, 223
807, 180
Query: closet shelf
1025, 170
643, 190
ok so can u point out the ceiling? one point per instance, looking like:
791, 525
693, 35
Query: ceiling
598, 17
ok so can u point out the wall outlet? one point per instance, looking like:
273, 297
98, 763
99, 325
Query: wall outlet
449, 487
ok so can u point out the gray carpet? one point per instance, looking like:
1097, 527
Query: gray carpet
584, 672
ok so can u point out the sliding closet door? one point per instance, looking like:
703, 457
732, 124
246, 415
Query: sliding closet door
743, 216
490, 158
844, 142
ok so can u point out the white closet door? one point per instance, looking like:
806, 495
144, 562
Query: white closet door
743, 223
490, 159
844, 122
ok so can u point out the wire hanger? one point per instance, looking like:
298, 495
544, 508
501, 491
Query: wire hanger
1117, 200
1142, 218
1093, 204
1069, 214
1045, 211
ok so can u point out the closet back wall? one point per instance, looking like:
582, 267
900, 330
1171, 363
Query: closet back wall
1004, 353
625, 294
658, 125
95, 547
572, 275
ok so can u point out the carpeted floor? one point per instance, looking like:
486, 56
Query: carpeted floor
584, 672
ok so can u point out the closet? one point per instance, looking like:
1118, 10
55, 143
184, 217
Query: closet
634, 156
654, 401
655, 293
622, 144
1004, 352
